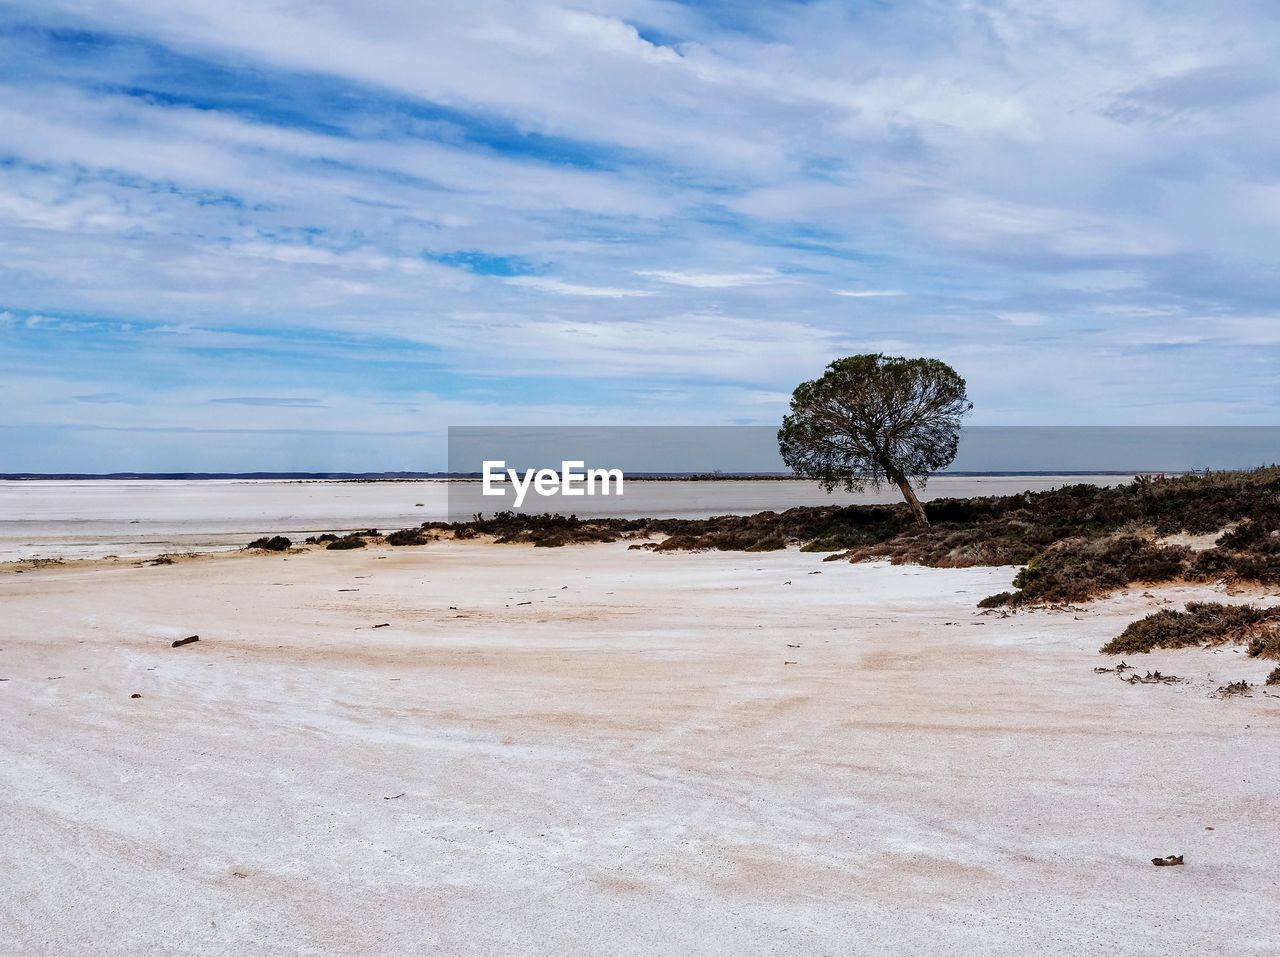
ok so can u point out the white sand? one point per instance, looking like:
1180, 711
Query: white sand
624, 765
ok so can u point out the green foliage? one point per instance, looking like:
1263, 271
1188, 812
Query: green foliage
872, 419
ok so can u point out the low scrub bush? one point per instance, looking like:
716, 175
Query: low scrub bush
346, 543
1081, 568
1203, 623
408, 536
1076, 542
276, 543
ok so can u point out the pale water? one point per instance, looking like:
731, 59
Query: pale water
134, 518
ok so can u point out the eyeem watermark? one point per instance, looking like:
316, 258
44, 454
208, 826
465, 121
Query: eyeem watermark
574, 478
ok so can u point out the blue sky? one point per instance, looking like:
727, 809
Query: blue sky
260, 235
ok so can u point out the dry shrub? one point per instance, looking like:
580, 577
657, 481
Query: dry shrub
408, 536
346, 543
1077, 542
1235, 689
1250, 552
1266, 643
276, 543
1203, 623
546, 531
1081, 568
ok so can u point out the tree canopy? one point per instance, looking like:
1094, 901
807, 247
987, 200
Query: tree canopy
872, 419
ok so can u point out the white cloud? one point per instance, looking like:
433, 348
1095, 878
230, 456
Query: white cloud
561, 288
671, 213
705, 280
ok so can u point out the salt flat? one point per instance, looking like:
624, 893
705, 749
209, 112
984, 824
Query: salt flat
593, 751
83, 518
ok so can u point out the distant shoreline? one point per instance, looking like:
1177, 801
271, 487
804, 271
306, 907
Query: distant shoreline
143, 516
475, 476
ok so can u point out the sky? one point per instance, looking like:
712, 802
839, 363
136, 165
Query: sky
279, 235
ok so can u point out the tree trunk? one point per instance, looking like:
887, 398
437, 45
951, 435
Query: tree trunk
910, 495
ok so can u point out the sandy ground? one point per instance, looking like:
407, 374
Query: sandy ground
594, 751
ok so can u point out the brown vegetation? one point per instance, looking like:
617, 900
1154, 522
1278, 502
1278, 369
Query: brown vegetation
1234, 689
409, 536
1202, 624
275, 543
1077, 542
544, 531
346, 542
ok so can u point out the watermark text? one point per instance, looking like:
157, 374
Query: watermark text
573, 479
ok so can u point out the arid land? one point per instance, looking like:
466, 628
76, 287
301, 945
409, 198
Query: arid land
596, 750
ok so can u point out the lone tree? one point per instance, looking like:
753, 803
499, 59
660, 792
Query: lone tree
872, 419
